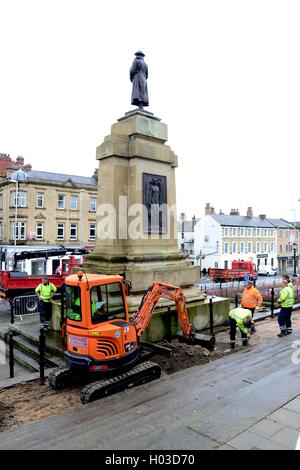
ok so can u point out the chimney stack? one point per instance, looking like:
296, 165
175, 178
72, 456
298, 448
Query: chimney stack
262, 216
234, 212
249, 212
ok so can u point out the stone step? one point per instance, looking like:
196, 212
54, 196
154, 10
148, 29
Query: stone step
25, 346
53, 350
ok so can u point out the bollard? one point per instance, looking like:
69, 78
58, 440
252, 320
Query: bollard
42, 341
236, 300
11, 354
169, 323
272, 302
211, 317
12, 316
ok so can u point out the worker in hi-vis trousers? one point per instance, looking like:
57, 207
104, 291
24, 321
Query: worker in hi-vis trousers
241, 318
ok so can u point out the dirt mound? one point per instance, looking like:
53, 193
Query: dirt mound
185, 356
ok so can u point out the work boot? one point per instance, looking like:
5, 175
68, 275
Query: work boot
289, 331
232, 344
245, 343
46, 326
282, 333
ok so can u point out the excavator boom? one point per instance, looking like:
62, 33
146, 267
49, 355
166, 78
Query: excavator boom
158, 291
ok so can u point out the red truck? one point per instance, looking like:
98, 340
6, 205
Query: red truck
238, 271
14, 283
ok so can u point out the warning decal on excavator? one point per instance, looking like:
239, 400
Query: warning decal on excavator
78, 342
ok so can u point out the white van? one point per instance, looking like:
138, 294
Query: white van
266, 270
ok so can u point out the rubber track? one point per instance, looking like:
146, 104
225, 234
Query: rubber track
58, 374
142, 373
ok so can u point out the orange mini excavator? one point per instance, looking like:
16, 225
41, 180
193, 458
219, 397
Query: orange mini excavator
102, 343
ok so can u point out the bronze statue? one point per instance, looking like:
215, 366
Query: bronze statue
138, 77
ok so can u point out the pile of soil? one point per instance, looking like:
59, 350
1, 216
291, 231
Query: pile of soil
185, 355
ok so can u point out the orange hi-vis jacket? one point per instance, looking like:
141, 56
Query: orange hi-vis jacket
251, 298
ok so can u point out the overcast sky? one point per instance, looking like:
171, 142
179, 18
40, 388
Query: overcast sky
224, 75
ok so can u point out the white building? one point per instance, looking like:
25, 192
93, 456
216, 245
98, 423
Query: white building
223, 238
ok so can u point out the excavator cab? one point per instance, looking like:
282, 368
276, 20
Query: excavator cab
99, 334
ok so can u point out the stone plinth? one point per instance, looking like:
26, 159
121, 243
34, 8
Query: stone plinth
134, 153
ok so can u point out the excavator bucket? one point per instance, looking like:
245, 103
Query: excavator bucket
206, 341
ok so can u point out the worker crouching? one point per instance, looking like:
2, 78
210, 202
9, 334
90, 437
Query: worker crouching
241, 318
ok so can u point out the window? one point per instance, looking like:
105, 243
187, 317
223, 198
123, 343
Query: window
216, 264
60, 231
249, 232
258, 232
265, 232
234, 247
18, 231
39, 230
61, 201
266, 247
271, 247
258, 247
234, 232
226, 232
241, 232
93, 204
73, 232
280, 248
250, 247
280, 233
73, 311
74, 203
242, 247
107, 302
39, 200
226, 246
92, 231
286, 248
1, 201
272, 232
21, 202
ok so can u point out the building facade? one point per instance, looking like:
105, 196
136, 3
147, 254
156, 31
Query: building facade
52, 208
222, 238
287, 241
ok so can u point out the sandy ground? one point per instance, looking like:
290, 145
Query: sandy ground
31, 401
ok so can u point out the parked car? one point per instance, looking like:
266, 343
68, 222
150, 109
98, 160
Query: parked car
266, 270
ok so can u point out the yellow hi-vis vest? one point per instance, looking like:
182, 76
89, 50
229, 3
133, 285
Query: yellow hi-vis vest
46, 291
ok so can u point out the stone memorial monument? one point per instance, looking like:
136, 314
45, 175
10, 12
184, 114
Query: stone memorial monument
136, 206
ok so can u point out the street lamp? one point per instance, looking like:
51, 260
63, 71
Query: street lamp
295, 261
82, 191
17, 176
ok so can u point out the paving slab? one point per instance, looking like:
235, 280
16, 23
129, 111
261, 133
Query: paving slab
286, 417
266, 428
250, 441
293, 405
287, 437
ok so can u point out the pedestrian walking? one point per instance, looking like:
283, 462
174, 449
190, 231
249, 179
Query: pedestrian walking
240, 318
286, 301
45, 292
251, 299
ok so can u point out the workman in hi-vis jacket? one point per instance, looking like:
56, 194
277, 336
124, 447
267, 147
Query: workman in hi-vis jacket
241, 318
286, 301
45, 292
251, 298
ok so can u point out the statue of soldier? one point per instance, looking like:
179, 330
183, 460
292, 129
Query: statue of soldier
138, 77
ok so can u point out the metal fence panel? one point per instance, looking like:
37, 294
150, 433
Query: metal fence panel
26, 305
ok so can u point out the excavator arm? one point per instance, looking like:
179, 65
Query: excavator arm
157, 291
